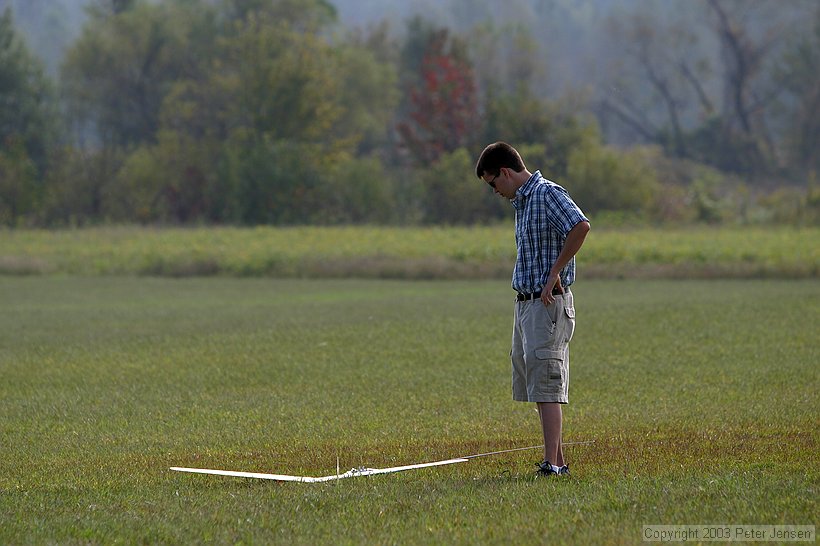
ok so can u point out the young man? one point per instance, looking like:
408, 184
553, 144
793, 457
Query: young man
549, 231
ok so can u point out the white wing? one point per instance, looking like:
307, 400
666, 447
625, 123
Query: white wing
277, 477
352, 473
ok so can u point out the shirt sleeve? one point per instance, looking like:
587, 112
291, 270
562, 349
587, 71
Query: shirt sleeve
563, 213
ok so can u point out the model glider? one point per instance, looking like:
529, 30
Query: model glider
353, 472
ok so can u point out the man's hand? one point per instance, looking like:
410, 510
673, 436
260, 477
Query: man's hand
553, 282
575, 238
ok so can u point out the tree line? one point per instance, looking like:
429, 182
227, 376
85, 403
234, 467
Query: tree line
250, 112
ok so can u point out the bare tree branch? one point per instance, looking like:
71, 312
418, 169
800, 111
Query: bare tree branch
631, 121
703, 97
740, 58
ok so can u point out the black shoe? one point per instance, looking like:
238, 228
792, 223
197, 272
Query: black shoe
545, 469
563, 471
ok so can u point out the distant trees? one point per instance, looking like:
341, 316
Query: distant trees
236, 112
442, 97
28, 125
800, 101
267, 112
115, 80
670, 89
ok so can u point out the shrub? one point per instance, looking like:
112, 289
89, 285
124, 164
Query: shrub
453, 194
601, 178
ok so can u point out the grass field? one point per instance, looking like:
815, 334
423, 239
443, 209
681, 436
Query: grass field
701, 397
411, 253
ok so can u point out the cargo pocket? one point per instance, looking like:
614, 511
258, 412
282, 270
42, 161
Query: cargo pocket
552, 360
569, 313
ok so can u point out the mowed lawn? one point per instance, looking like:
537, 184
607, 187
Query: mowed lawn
700, 396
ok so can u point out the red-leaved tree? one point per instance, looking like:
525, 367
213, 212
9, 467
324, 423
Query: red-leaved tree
442, 115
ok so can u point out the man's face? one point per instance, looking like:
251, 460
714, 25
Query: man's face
501, 183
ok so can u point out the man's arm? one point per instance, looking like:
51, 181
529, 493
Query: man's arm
572, 244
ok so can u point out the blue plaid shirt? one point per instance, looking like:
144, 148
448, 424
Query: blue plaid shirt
544, 214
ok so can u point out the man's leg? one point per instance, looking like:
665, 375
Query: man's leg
551, 419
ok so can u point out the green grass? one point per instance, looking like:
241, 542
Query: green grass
701, 397
409, 253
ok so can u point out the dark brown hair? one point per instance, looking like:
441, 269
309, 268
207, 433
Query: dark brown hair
497, 156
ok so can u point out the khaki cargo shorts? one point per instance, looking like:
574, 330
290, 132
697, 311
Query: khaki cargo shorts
540, 349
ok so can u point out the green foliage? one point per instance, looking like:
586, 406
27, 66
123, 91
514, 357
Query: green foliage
28, 126
603, 179
281, 83
793, 206
308, 16
248, 129
368, 92
171, 182
275, 182
118, 72
357, 191
544, 132
454, 195
709, 206
798, 74
266, 111
813, 202
80, 187
520, 117
731, 151
18, 183
28, 113
62, 203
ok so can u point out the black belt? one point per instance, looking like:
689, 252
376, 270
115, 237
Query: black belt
536, 295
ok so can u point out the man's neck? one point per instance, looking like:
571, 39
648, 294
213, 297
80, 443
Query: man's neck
521, 178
